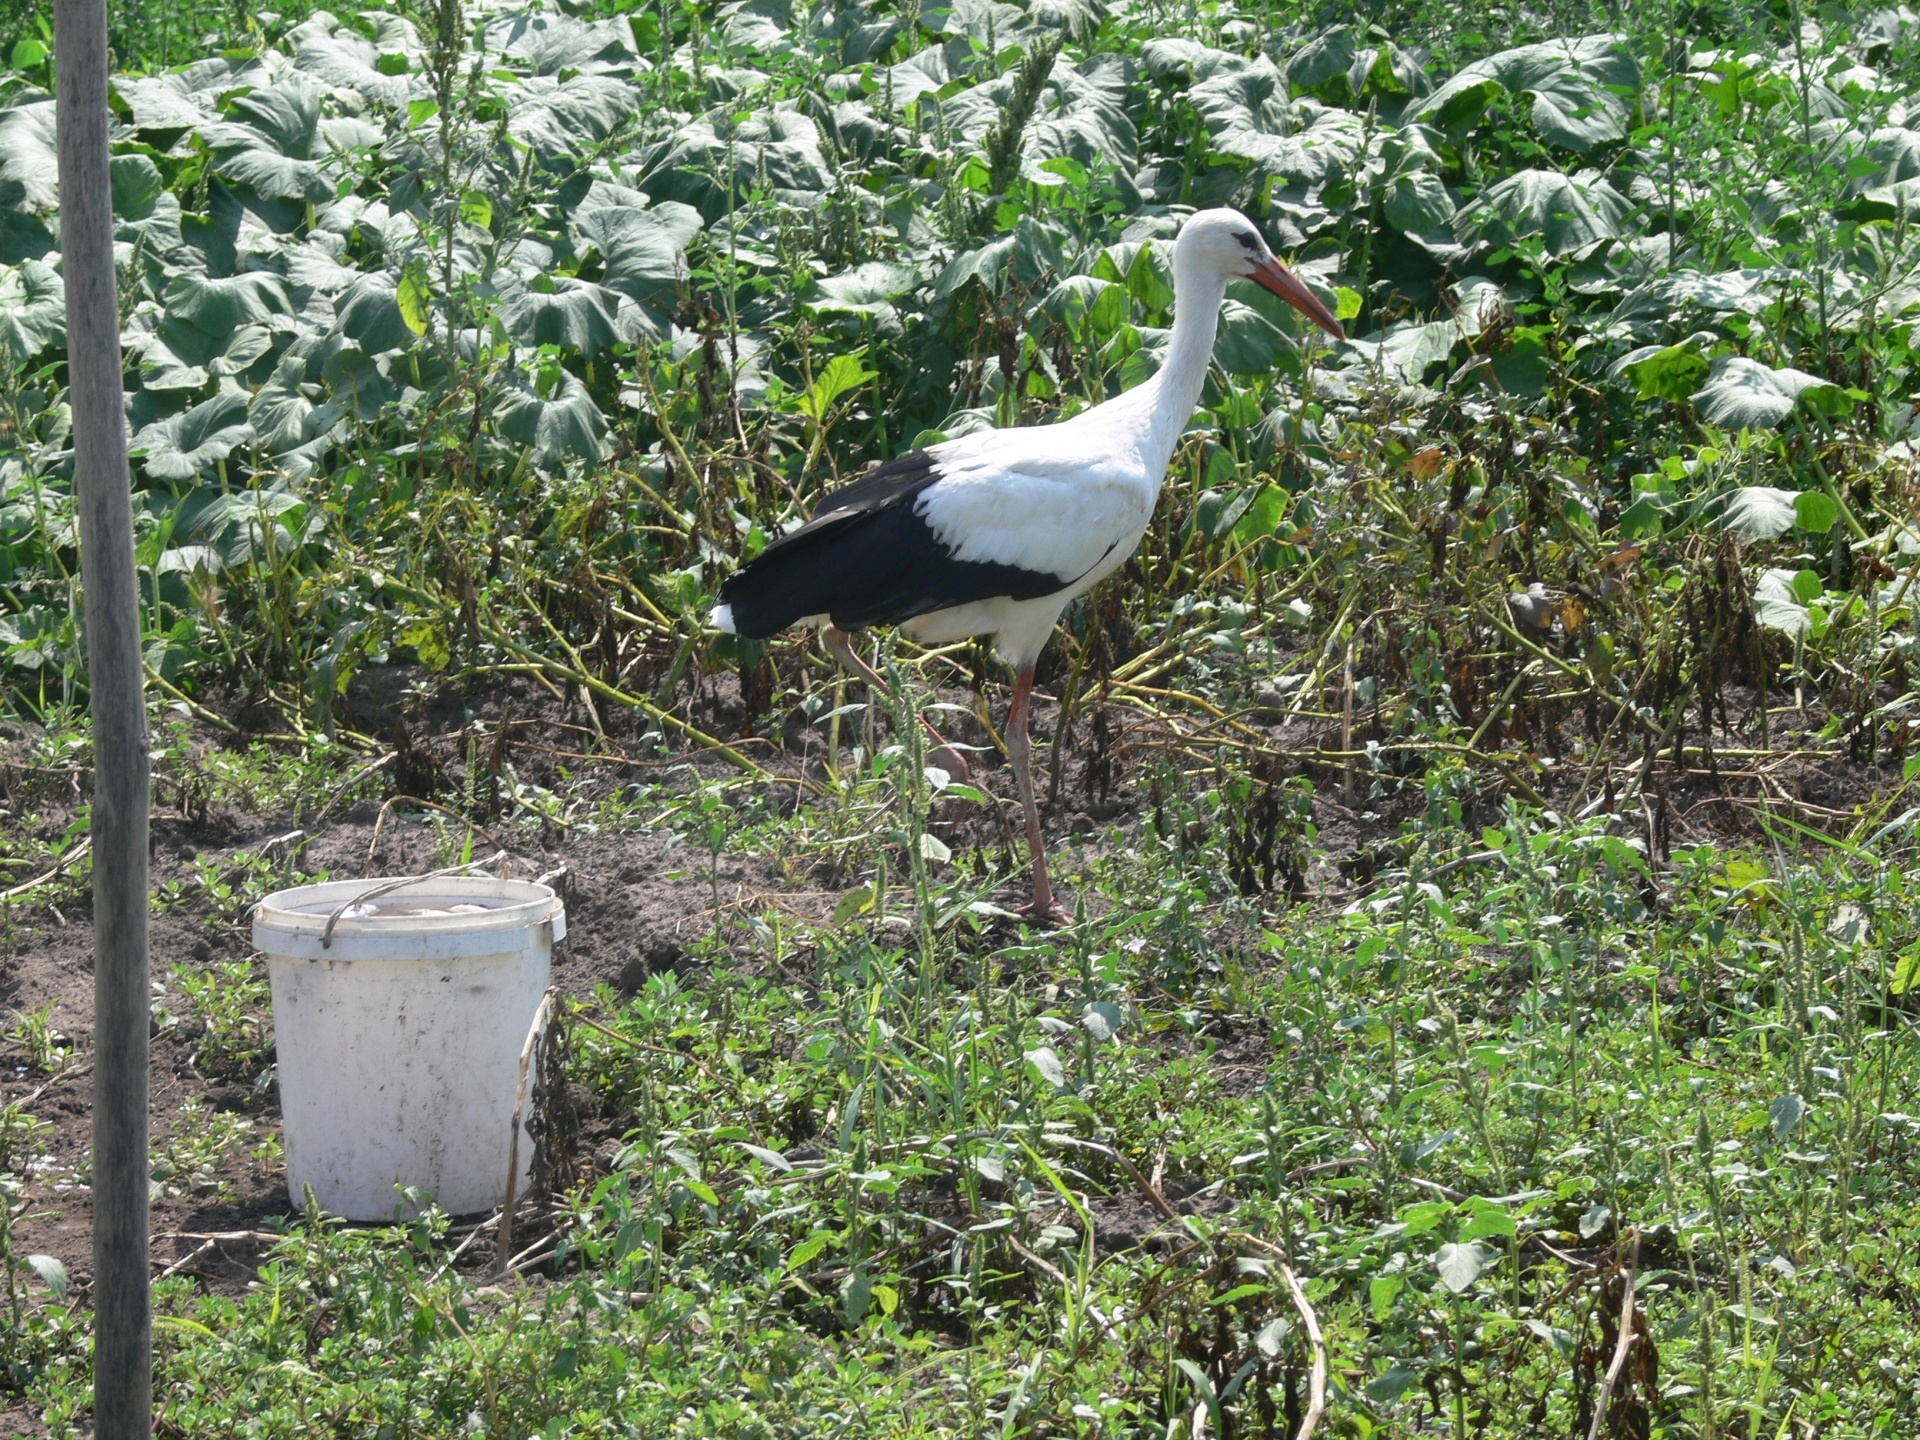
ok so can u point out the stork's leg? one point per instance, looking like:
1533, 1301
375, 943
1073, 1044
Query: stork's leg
1020, 752
944, 755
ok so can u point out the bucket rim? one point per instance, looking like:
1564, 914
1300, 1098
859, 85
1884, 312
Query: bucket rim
528, 904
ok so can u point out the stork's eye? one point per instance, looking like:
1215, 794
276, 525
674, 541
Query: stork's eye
1248, 243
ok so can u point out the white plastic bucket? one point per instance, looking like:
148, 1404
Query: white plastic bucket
399, 1035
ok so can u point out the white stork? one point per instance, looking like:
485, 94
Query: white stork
993, 533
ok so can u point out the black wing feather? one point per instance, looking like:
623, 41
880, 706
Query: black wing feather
867, 557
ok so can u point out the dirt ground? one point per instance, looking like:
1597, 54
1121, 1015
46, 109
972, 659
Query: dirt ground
632, 910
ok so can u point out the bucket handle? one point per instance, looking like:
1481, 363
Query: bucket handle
387, 887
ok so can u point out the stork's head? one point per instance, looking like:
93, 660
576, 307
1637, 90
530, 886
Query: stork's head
1227, 242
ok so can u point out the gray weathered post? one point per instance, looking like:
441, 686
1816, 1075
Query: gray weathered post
123, 1385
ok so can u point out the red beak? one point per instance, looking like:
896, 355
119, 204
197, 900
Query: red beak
1289, 287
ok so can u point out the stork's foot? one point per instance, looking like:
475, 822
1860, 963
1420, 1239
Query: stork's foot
1048, 917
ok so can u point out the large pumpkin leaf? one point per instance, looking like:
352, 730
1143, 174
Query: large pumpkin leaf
33, 312
1228, 91
1760, 512
334, 54
1024, 255
1743, 394
369, 314
1081, 113
1572, 83
559, 119
562, 310
182, 446
202, 315
553, 44
868, 289
270, 143
144, 210
695, 167
1566, 213
357, 384
282, 416
28, 155
1777, 602
554, 415
1326, 144
640, 245
1338, 69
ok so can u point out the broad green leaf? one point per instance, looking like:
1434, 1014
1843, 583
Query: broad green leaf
856, 1294
698, 165
558, 119
1460, 1264
52, 1272
1815, 511
1418, 203
415, 301
203, 315
368, 313
641, 245
1777, 604
359, 386
563, 310
1785, 1115
1565, 213
1572, 84
1594, 1220
28, 156
1760, 512
282, 416
840, 376
556, 418
1045, 1064
33, 312
1672, 372
1386, 1388
869, 289
182, 446
271, 143
1081, 113
1743, 394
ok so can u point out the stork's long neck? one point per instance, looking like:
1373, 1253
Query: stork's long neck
1175, 390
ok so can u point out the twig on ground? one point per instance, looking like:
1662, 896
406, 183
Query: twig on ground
61, 864
352, 780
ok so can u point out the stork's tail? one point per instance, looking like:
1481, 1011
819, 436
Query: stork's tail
721, 619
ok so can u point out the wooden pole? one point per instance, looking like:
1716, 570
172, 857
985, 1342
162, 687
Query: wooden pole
123, 1374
